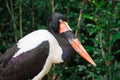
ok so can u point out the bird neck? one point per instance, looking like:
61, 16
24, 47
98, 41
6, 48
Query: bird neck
65, 45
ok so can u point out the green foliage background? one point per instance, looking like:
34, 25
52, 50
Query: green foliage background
95, 22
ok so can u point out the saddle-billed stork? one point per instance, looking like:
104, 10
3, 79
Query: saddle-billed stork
33, 55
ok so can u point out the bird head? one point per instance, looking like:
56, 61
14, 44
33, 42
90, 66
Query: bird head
57, 23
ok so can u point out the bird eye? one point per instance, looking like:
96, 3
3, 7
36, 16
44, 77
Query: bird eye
60, 20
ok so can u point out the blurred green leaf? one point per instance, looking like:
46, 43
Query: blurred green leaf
115, 37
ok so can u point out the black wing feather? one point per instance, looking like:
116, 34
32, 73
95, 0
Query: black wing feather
27, 67
6, 57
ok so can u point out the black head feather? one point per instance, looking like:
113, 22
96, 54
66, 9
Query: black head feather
53, 22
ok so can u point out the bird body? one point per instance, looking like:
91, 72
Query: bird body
34, 54
32, 43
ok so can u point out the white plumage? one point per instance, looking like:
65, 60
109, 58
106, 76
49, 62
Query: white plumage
34, 39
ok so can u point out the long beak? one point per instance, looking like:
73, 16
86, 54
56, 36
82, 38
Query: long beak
81, 50
75, 43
